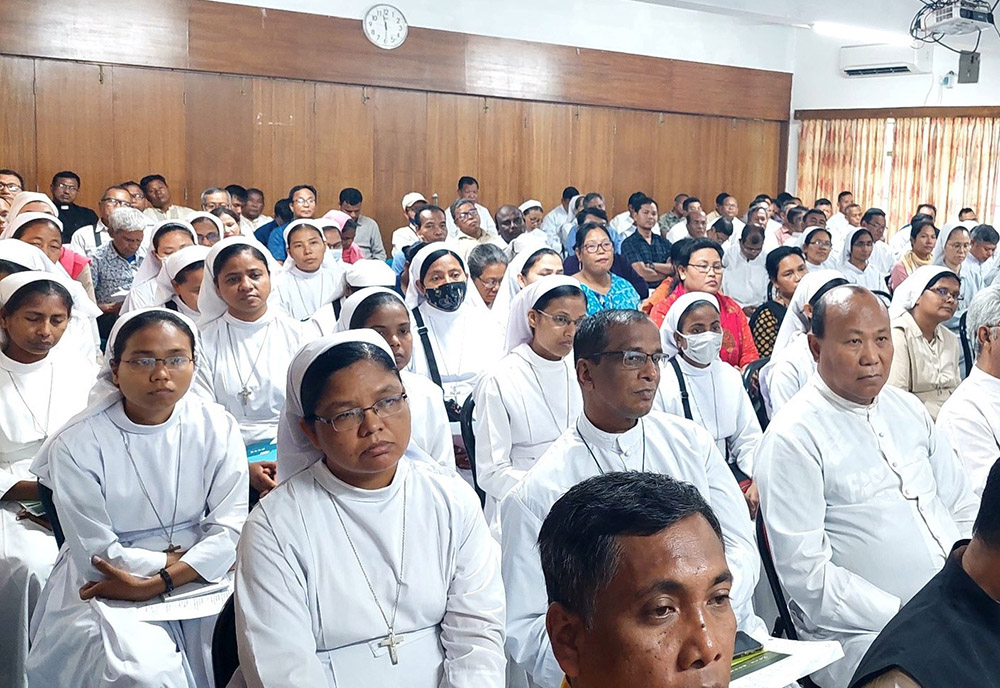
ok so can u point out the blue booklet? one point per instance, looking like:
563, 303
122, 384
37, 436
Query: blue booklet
263, 451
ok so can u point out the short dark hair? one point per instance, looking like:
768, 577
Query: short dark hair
429, 208
255, 190
721, 198
66, 174
820, 304
775, 256
871, 214
283, 210
963, 211
823, 201
149, 179
680, 197
985, 234
917, 224
13, 173
635, 196
333, 360
813, 212
928, 205
579, 539
299, 187
592, 196
465, 181
794, 213
569, 192
724, 226
144, 320
349, 226
238, 192
689, 201
844, 194
749, 229
232, 251
688, 248
592, 336
783, 198
987, 525
351, 196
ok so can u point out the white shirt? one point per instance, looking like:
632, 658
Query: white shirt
837, 222
970, 419
523, 404
429, 428
658, 443
862, 505
622, 223
882, 259
677, 232
230, 348
744, 280
485, 221
551, 224
899, 243
302, 294
403, 237
261, 221
175, 212
719, 403
85, 239
306, 617
789, 372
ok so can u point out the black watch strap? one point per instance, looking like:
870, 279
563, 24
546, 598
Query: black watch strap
167, 580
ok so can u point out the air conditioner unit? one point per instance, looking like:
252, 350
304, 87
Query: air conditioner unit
884, 60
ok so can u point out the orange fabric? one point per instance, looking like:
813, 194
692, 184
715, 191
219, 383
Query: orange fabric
843, 154
660, 293
738, 348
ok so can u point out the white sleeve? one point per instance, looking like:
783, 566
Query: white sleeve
743, 443
782, 384
973, 439
495, 472
440, 445
952, 482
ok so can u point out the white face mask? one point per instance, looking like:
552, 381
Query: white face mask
337, 253
703, 348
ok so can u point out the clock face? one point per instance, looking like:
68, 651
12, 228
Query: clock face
385, 26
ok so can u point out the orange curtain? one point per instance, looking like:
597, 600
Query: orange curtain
842, 155
951, 162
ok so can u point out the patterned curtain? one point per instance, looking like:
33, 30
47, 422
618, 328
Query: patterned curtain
842, 154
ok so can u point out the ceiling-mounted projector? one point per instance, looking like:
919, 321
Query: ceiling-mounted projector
956, 17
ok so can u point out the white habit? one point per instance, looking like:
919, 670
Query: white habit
970, 419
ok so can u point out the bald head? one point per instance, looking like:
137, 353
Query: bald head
510, 222
697, 223
851, 342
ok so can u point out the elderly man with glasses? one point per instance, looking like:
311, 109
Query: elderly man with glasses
86, 240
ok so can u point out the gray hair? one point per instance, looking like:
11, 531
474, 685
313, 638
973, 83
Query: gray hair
127, 220
459, 202
984, 311
985, 234
483, 256
214, 190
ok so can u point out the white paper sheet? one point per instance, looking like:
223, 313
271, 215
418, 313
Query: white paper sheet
191, 601
803, 659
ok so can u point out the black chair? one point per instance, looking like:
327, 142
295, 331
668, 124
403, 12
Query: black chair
751, 382
469, 439
963, 336
45, 497
225, 656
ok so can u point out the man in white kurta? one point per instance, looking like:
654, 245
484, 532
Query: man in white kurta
656, 442
862, 496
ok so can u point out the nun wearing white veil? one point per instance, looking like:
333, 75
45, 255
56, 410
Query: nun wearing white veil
950, 251
167, 237
358, 275
464, 338
399, 585
248, 342
526, 400
533, 261
179, 282
855, 260
312, 277
791, 363
150, 484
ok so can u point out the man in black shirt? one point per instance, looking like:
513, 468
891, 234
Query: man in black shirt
64, 189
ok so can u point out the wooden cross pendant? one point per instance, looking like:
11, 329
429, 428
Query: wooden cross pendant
244, 396
172, 548
391, 641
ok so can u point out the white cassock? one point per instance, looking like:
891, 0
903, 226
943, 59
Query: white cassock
677, 232
862, 504
429, 430
623, 224
193, 465
970, 419
522, 406
719, 403
899, 243
658, 443
882, 259
302, 294
745, 280
38, 398
790, 370
306, 617
253, 355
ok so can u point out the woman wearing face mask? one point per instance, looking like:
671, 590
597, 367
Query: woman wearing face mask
716, 399
312, 277
179, 282
530, 396
169, 237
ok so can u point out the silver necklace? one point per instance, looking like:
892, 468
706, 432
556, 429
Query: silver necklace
624, 465
245, 393
391, 640
715, 405
171, 547
44, 429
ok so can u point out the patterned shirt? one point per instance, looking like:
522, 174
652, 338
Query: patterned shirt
635, 249
621, 295
112, 273
668, 220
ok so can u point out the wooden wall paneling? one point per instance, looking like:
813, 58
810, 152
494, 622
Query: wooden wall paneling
344, 144
548, 137
17, 103
283, 139
73, 108
634, 157
149, 125
676, 159
502, 130
593, 149
219, 118
400, 153
453, 137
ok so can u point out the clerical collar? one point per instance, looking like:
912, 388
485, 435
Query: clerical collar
118, 416
262, 321
9, 364
625, 443
839, 401
349, 493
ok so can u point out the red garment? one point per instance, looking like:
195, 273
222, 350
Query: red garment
738, 348
352, 255
73, 262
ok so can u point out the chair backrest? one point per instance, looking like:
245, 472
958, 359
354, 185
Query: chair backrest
783, 624
45, 497
469, 439
963, 336
751, 382
225, 655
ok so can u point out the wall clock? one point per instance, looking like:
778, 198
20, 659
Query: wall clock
385, 26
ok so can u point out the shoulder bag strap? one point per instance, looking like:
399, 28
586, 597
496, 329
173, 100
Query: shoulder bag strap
683, 387
425, 340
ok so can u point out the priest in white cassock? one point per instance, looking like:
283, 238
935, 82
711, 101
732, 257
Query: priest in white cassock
528, 398
970, 418
862, 496
179, 282
150, 485
248, 342
313, 278
166, 238
42, 387
618, 358
400, 586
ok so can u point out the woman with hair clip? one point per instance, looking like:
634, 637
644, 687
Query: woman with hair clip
150, 485
42, 386
248, 342
401, 585
526, 400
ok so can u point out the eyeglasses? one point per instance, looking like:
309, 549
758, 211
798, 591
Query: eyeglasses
602, 247
211, 236
170, 362
961, 247
562, 320
305, 201
946, 293
118, 203
67, 187
349, 420
821, 244
13, 187
705, 268
465, 215
489, 284
633, 360
137, 196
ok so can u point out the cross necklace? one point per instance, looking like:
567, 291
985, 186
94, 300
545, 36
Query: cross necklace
391, 640
245, 393
43, 429
171, 547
